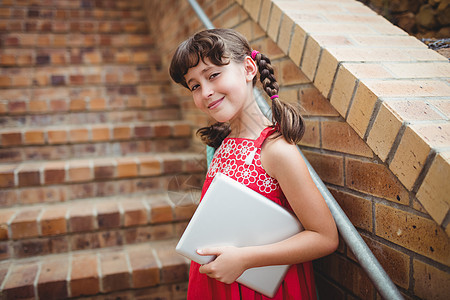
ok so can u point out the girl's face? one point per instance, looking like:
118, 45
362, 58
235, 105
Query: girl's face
222, 91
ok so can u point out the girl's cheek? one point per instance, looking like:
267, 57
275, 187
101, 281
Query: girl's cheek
198, 104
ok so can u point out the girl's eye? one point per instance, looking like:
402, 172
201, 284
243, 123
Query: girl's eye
214, 75
194, 87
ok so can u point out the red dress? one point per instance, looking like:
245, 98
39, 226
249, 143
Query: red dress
239, 158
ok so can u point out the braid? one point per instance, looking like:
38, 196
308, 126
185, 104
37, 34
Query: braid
286, 116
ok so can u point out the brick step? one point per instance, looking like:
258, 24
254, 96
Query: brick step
82, 99
49, 25
80, 75
37, 11
81, 5
76, 118
81, 134
19, 57
151, 269
94, 223
105, 173
97, 149
63, 40
97, 141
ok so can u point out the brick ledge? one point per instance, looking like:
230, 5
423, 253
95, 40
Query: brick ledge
391, 89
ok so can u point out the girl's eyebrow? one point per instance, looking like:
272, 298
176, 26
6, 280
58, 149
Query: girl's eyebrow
202, 72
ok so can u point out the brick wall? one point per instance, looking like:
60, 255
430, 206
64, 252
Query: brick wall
376, 107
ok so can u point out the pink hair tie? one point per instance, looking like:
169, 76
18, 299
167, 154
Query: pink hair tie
254, 52
273, 97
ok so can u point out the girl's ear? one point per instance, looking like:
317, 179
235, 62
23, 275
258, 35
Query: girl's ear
250, 68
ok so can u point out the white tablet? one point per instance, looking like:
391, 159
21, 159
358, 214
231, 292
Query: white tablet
231, 214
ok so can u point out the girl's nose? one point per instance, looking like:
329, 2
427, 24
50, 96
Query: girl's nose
207, 91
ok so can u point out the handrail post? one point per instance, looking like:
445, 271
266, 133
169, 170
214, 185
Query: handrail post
365, 257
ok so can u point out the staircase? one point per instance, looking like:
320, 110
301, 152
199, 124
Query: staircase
95, 167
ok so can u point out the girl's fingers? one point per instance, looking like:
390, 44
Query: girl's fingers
209, 251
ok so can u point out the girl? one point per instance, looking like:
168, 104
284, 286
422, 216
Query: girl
220, 69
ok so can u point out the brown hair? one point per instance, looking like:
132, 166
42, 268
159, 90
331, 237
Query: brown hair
221, 46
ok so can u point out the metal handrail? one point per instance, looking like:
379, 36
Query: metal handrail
365, 257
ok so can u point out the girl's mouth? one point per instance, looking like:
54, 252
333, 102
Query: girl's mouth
215, 103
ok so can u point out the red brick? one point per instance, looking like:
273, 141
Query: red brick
52, 282
34, 137
108, 215
104, 169
97, 104
395, 263
17, 106
126, 167
7, 176
57, 136
11, 139
115, 272
5, 217
121, 133
181, 130
376, 180
29, 174
4, 267
339, 136
100, 133
80, 171
81, 218
84, 278
143, 131
160, 210
347, 274
53, 221
76, 79
172, 165
85, 241
77, 105
54, 172
330, 168
110, 238
358, 209
161, 130
134, 213
149, 166
145, 270
173, 265
79, 135
19, 283
25, 224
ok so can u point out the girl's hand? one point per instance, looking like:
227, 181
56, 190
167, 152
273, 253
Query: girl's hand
228, 265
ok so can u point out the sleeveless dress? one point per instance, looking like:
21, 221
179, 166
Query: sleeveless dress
239, 158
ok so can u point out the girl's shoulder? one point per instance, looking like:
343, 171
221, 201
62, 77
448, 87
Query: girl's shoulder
277, 154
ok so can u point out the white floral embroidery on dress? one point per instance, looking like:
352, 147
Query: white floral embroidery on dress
243, 149
229, 167
266, 183
228, 148
246, 174
214, 168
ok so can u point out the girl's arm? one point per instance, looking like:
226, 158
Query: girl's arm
282, 161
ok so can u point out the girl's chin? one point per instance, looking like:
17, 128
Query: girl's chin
222, 117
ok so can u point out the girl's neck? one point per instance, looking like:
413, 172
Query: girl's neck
250, 123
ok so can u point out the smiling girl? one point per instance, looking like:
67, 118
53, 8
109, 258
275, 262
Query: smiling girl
220, 69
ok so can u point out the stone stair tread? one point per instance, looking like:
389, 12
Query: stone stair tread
92, 272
